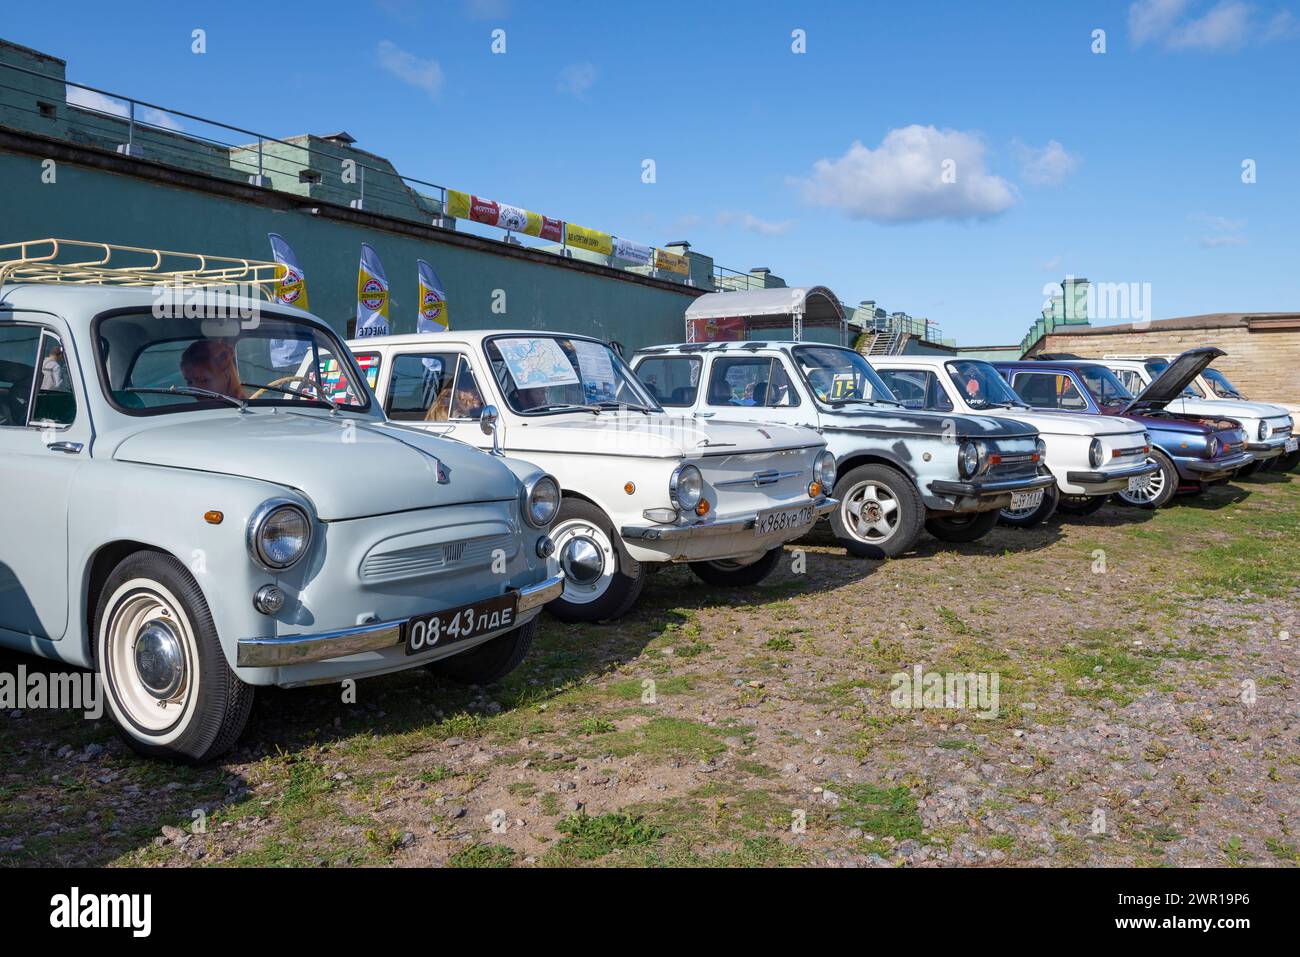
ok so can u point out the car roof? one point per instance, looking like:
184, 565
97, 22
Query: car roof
742, 345
470, 336
1031, 365
79, 303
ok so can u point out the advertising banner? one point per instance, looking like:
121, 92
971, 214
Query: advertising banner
671, 262
592, 240
632, 252
372, 295
290, 289
433, 301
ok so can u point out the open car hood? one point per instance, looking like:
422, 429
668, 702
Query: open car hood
1169, 385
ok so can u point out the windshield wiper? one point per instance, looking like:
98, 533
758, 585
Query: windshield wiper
566, 407
192, 392
334, 406
867, 401
626, 405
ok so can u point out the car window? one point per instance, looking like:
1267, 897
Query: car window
750, 381
278, 360
467, 401
1050, 390
839, 376
541, 374
420, 386
673, 380
917, 389
55, 403
19, 349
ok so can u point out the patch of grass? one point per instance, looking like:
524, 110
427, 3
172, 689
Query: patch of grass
588, 838
779, 643
667, 737
484, 855
882, 812
596, 725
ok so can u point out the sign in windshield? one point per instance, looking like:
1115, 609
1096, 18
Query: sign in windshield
554, 373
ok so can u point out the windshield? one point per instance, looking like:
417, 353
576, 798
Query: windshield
838, 376
1220, 384
154, 365
1106, 389
540, 374
981, 385
1155, 367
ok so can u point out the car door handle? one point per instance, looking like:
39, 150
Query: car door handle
72, 448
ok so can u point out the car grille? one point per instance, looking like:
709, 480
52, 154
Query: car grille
1281, 428
1017, 460
421, 560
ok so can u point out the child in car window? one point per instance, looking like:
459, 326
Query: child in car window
210, 364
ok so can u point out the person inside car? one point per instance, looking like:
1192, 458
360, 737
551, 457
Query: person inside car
210, 364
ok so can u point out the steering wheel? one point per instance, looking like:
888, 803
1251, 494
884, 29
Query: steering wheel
285, 380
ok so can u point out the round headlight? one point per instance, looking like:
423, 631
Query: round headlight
1146, 440
1096, 453
686, 487
279, 534
1212, 447
541, 501
1265, 430
1041, 448
824, 471
968, 459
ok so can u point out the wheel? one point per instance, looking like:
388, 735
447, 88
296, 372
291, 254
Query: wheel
600, 581
1247, 470
168, 686
1160, 491
1286, 462
962, 527
1081, 504
880, 514
1029, 517
730, 574
490, 661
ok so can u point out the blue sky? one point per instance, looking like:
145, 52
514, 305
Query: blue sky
1123, 166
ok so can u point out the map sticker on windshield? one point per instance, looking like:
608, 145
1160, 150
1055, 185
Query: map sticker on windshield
537, 363
597, 367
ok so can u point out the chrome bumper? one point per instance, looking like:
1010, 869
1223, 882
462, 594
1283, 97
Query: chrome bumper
1211, 469
1263, 451
727, 526
990, 489
297, 649
1096, 478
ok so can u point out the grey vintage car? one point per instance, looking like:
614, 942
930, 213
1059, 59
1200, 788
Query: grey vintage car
191, 520
899, 470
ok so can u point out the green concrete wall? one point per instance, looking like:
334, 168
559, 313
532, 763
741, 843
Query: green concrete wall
92, 204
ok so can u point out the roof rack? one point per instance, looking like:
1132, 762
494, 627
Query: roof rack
105, 264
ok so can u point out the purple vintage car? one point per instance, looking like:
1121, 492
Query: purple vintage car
1193, 451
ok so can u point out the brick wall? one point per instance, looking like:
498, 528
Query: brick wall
1265, 365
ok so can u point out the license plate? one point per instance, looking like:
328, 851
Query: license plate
1292, 444
1139, 483
426, 632
783, 519
1026, 500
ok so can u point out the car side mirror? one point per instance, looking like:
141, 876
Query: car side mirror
488, 423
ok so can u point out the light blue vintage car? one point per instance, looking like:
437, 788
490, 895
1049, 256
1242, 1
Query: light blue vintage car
899, 470
196, 506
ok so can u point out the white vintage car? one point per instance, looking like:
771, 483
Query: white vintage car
640, 488
201, 496
1270, 428
1090, 456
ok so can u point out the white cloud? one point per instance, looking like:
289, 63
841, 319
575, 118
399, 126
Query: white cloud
1221, 231
1225, 27
576, 78
1052, 264
90, 100
1152, 19
751, 223
1184, 25
487, 9
903, 180
422, 74
1047, 166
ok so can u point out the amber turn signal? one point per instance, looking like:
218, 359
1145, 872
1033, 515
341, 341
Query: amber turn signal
630, 487
214, 517
814, 489
702, 507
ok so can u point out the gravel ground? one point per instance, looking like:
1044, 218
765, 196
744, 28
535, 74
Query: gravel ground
1145, 713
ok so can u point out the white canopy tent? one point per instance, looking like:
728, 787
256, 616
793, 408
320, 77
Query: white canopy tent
759, 309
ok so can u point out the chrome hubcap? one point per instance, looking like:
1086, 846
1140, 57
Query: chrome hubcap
870, 512
159, 661
582, 561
